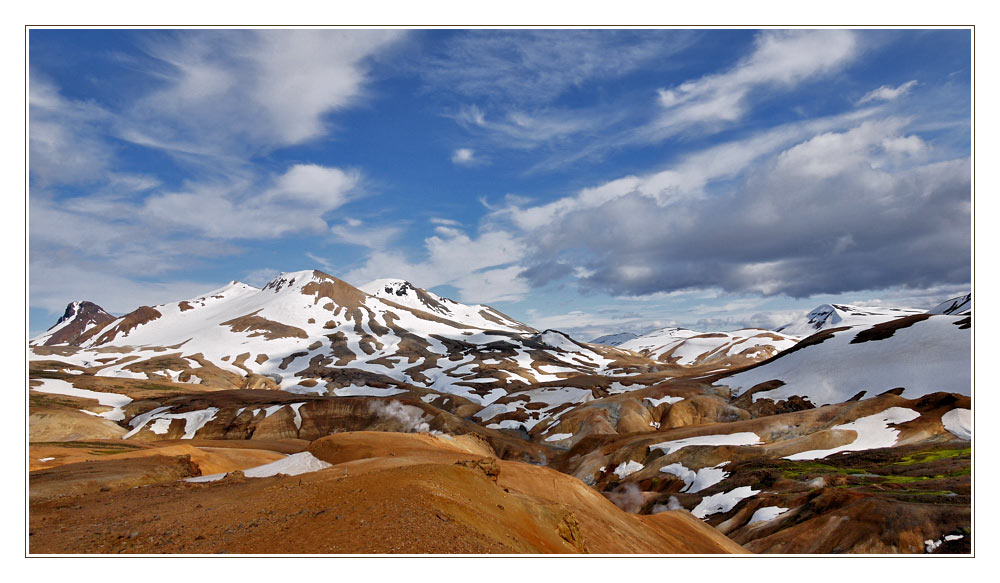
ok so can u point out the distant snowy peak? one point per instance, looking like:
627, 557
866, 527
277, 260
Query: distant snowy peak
834, 315
614, 339
684, 347
957, 306
404, 293
79, 317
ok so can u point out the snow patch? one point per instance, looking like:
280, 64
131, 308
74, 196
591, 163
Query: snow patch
873, 433
766, 514
293, 465
298, 416
958, 422
193, 421
696, 481
742, 438
723, 501
628, 468
356, 391
667, 399
60, 387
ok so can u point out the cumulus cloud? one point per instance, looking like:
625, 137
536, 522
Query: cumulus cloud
887, 93
836, 212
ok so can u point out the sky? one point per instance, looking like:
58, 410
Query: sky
591, 181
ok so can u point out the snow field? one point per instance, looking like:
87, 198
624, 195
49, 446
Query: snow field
293, 465
742, 438
766, 514
61, 387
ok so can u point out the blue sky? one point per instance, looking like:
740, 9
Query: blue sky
591, 181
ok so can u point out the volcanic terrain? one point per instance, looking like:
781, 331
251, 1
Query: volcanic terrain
312, 416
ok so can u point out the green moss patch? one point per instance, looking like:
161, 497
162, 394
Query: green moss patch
923, 457
796, 470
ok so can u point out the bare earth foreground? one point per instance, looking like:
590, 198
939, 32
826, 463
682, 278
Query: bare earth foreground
385, 493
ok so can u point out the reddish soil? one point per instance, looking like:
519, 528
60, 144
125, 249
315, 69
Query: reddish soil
398, 493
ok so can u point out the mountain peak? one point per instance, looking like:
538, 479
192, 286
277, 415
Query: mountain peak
957, 306
298, 279
833, 315
79, 317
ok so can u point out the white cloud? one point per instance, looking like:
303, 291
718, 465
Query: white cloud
315, 186
260, 277
482, 268
517, 129
323, 262
685, 179
286, 81
64, 136
537, 66
356, 232
294, 202
887, 93
464, 156
781, 59
54, 286
824, 206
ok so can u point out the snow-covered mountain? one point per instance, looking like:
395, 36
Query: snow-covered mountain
832, 315
309, 332
685, 347
920, 353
